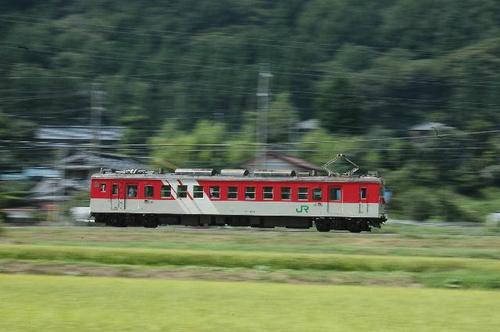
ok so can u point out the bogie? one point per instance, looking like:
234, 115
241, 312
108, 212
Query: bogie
153, 221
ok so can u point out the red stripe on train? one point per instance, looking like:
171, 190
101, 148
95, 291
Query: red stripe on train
350, 191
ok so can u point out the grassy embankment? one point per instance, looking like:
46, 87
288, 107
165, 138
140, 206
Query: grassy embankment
403, 255
56, 303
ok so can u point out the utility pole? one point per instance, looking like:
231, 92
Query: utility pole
262, 108
96, 109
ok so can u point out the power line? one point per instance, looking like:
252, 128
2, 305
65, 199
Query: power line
228, 144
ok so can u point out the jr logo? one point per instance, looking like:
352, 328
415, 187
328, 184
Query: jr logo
302, 209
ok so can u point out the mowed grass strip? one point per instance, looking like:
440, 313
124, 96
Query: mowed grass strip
158, 257
279, 241
42, 303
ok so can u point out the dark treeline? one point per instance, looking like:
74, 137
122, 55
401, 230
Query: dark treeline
174, 71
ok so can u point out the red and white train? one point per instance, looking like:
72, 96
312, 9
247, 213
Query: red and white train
198, 197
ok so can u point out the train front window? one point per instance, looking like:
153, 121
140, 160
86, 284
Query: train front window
198, 191
166, 191
103, 187
317, 194
131, 191
182, 191
268, 192
286, 193
303, 194
250, 193
214, 192
149, 191
232, 193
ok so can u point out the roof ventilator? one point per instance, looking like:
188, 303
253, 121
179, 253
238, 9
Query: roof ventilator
274, 173
195, 171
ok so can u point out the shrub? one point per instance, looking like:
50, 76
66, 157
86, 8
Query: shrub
418, 204
2, 220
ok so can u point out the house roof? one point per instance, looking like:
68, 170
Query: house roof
430, 126
41, 172
78, 133
92, 161
57, 186
294, 161
310, 124
30, 173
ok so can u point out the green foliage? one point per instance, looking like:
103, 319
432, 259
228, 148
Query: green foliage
205, 145
418, 204
188, 60
2, 220
183, 77
421, 203
339, 107
282, 117
429, 26
13, 194
12, 129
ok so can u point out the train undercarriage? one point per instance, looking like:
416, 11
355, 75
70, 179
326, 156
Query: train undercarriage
354, 225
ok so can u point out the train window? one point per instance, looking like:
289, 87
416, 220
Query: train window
303, 194
214, 192
182, 191
335, 194
103, 187
362, 193
268, 192
232, 193
286, 193
114, 189
250, 193
166, 191
131, 191
317, 194
198, 191
149, 191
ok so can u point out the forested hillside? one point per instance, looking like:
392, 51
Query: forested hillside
182, 77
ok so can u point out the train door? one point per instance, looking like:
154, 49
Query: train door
335, 200
131, 201
117, 196
363, 200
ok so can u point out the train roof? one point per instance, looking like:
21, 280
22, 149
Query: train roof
247, 177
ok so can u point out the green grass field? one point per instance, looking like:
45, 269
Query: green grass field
195, 279
456, 257
62, 303
399, 240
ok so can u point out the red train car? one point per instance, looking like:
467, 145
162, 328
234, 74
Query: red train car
198, 197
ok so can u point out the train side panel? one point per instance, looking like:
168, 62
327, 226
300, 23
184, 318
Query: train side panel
148, 196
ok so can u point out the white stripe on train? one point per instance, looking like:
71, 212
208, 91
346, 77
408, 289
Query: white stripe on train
204, 206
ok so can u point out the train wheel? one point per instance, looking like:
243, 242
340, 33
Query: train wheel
355, 228
322, 225
150, 222
116, 221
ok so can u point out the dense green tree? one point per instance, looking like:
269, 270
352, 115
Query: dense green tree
15, 134
282, 118
339, 107
182, 75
